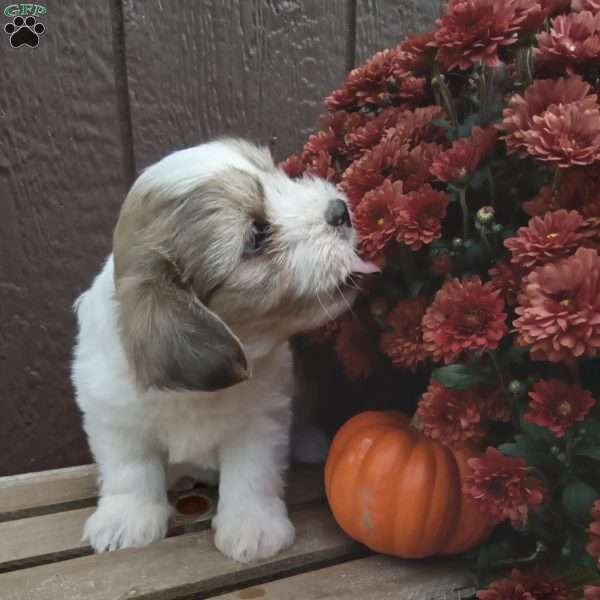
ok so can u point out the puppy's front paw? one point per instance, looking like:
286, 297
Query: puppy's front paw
124, 521
252, 534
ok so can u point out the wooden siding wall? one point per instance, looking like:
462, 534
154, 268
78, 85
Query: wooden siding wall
113, 86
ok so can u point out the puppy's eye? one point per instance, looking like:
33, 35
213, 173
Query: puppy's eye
259, 234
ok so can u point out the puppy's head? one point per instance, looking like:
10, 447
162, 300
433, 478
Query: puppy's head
215, 242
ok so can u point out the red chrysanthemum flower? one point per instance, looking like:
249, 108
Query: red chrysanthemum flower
559, 312
419, 216
464, 316
546, 200
418, 48
593, 546
456, 164
495, 406
581, 5
557, 405
537, 586
374, 219
416, 126
552, 7
322, 141
369, 134
293, 166
404, 343
591, 592
573, 41
393, 158
538, 97
353, 348
321, 165
591, 233
450, 416
546, 239
579, 190
383, 79
506, 279
565, 136
342, 123
472, 31
501, 487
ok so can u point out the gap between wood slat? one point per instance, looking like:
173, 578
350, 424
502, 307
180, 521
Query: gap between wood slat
54, 537
33, 494
318, 561
370, 578
180, 567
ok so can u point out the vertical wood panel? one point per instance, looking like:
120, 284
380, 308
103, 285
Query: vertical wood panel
383, 23
255, 68
61, 183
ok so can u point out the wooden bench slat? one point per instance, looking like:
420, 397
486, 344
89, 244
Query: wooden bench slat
32, 493
371, 578
179, 566
36, 540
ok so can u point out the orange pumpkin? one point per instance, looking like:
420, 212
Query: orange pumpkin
400, 493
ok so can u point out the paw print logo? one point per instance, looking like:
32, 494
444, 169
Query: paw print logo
24, 31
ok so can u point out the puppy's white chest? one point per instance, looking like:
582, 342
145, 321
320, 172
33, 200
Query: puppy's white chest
191, 426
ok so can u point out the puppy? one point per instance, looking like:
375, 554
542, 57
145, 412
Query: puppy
182, 352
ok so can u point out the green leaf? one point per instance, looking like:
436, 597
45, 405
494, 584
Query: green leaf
442, 123
577, 499
592, 428
589, 451
461, 377
415, 287
533, 452
536, 432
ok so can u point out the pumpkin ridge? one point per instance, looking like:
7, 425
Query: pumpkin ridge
399, 487
392, 433
452, 506
426, 515
347, 483
383, 432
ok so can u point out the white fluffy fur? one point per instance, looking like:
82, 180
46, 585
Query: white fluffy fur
243, 431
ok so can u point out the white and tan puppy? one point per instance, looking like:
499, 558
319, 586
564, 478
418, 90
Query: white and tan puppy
182, 354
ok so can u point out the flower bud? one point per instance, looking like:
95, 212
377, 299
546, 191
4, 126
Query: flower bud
458, 243
517, 388
485, 215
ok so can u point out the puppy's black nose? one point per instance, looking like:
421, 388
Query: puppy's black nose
337, 213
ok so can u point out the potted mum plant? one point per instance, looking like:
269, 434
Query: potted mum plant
470, 156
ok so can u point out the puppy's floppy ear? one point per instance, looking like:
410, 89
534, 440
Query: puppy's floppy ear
173, 341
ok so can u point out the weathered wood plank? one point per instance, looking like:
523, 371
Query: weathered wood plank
371, 578
200, 69
384, 23
33, 493
179, 566
38, 540
43, 492
61, 184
